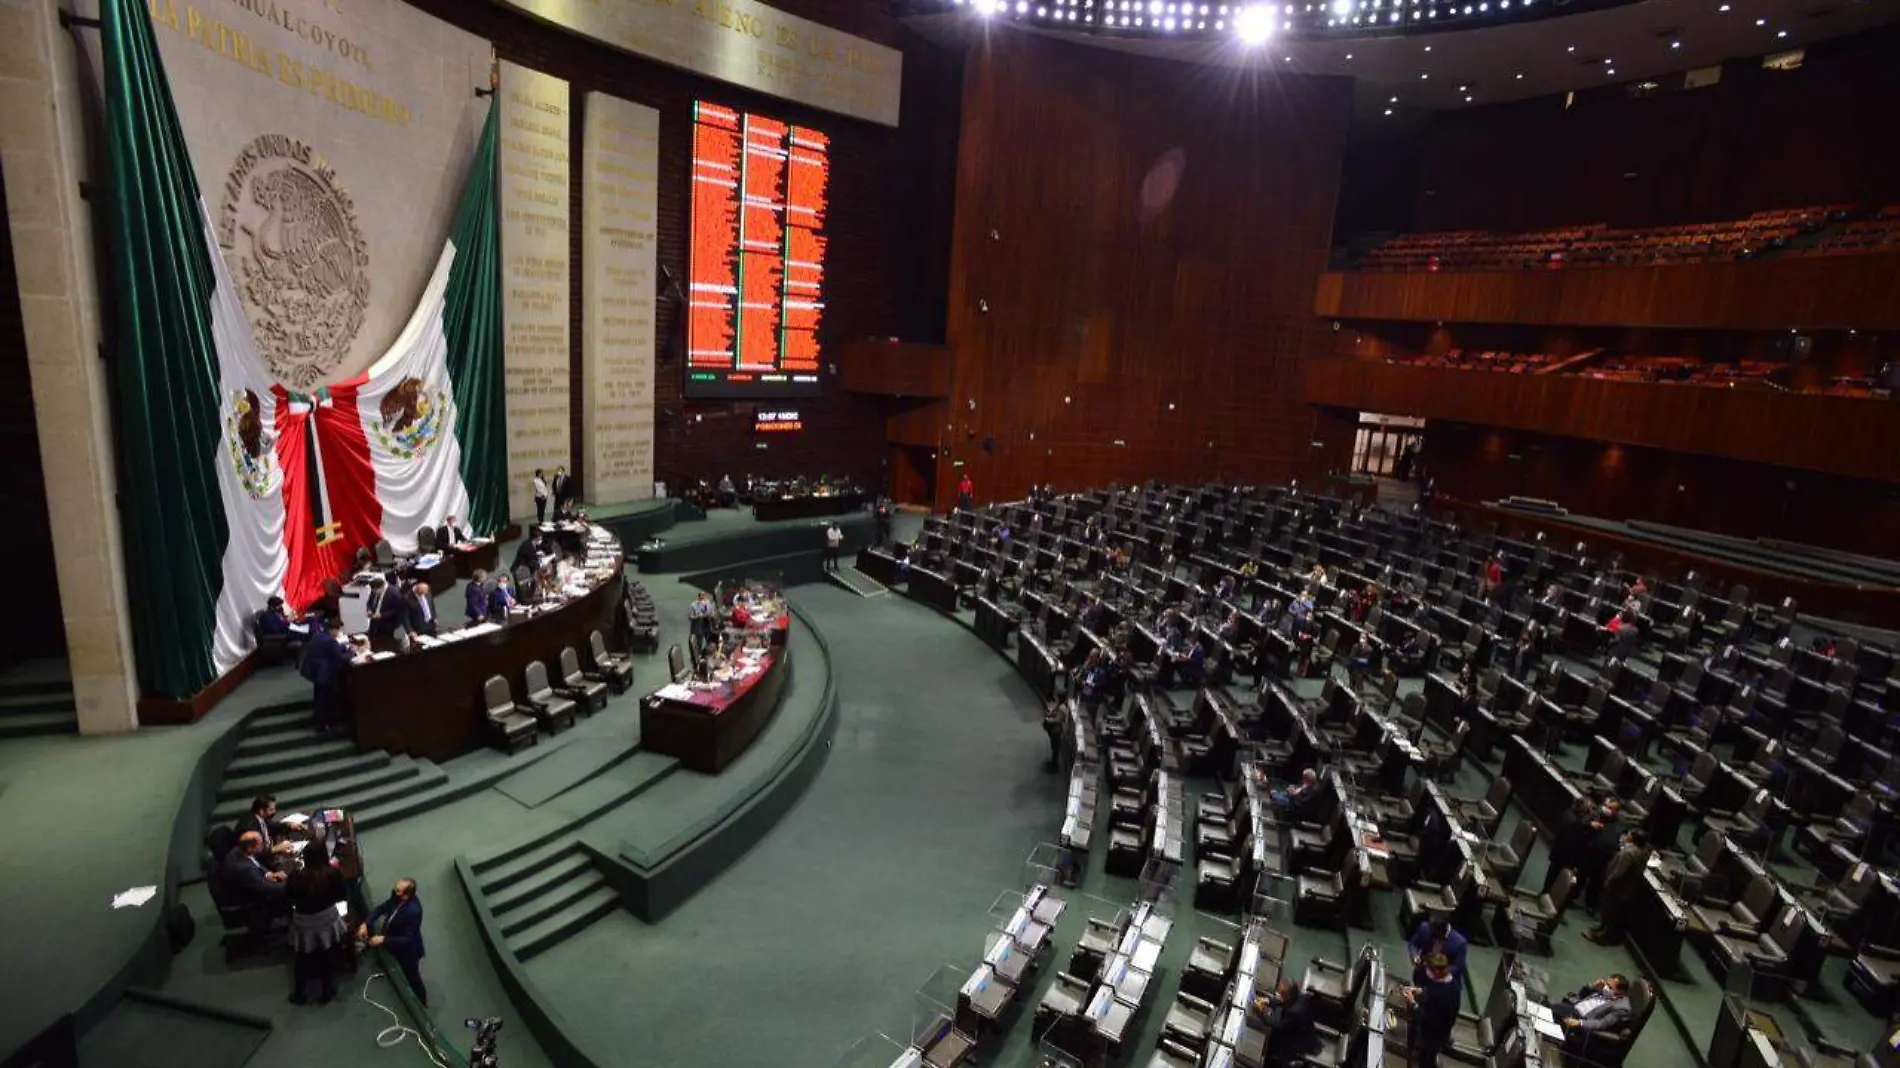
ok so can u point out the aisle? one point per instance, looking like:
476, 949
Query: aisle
931, 798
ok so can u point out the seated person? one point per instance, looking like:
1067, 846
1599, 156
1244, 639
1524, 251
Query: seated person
1299, 800
257, 888
274, 622
1225, 588
1287, 1014
1359, 662
453, 533
261, 820
1603, 1005
1412, 654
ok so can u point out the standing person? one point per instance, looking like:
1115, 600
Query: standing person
396, 926
882, 514
316, 927
700, 615
834, 538
500, 599
421, 610
1437, 935
1605, 842
563, 489
324, 662
385, 609
1493, 576
966, 493
1435, 1003
1620, 881
477, 595
1571, 842
540, 497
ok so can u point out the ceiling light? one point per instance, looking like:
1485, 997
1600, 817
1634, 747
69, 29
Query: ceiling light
1388, 111
1254, 23
1723, 9
1611, 72
1464, 88
1781, 33
1428, 48
1289, 59
1761, 22
987, 7
1394, 100
1422, 76
1467, 100
1673, 45
1520, 76
1608, 62
1342, 7
1349, 56
1572, 48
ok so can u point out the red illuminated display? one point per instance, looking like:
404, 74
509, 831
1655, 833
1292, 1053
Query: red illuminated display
758, 255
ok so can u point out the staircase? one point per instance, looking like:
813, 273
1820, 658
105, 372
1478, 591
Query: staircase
31, 705
546, 889
280, 755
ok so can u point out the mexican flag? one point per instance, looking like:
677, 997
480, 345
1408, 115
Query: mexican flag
234, 489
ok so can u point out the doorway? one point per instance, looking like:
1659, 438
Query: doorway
1387, 446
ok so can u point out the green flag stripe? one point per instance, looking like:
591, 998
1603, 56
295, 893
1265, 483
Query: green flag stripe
166, 367
472, 320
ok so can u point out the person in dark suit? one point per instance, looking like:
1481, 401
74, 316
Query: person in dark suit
1621, 878
1437, 936
1572, 841
452, 533
421, 617
258, 888
1601, 1006
1435, 1003
262, 821
325, 660
1288, 1014
563, 489
500, 599
1605, 841
384, 607
528, 553
396, 926
477, 596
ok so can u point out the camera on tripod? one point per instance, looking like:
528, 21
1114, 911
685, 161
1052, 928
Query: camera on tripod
482, 1055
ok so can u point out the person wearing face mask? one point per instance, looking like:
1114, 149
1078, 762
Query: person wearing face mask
396, 926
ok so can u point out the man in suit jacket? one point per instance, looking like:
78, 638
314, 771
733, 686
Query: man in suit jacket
563, 488
1435, 1003
396, 926
477, 597
256, 887
1437, 936
325, 660
385, 609
1602, 1006
421, 619
452, 534
1288, 1014
500, 599
262, 821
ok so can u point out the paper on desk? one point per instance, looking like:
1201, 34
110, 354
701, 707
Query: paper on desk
673, 691
295, 819
298, 847
1549, 1029
342, 908
133, 898
1539, 1011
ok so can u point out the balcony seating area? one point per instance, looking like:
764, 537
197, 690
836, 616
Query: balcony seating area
1820, 230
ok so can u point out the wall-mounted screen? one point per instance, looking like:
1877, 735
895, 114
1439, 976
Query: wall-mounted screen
756, 294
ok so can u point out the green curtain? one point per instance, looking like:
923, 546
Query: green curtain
166, 367
472, 319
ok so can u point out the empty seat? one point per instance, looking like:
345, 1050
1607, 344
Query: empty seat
616, 668
551, 709
589, 693
513, 723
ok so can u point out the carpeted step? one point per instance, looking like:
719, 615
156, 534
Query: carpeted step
324, 748
563, 868
35, 704
552, 901
333, 792
505, 870
33, 724
283, 744
287, 719
565, 924
284, 779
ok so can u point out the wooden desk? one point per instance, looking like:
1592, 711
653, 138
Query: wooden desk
807, 506
710, 730
428, 702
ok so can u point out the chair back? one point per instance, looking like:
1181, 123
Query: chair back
676, 662
496, 695
1759, 897
1499, 796
1523, 838
1562, 889
385, 553
534, 679
597, 646
570, 665
425, 540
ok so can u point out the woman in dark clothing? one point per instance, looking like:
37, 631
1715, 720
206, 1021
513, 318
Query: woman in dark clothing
316, 927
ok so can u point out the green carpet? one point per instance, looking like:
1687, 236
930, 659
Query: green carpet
930, 800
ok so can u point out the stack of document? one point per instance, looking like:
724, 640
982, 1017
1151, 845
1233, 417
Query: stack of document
673, 691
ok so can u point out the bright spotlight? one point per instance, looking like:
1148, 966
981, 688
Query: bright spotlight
1342, 8
986, 8
1254, 23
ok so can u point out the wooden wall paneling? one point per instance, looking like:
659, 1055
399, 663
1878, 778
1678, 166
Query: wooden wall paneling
1130, 256
896, 369
1810, 293
888, 228
1850, 436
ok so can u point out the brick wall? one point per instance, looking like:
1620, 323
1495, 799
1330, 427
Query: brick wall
888, 228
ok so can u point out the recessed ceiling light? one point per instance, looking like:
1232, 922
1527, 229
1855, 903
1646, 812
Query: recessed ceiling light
1467, 100
1572, 48
1422, 76
1520, 76
1611, 72
1608, 62
1761, 22
1464, 88
1349, 56
1388, 111
1428, 48
1723, 9
1394, 100
1781, 33
1673, 45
